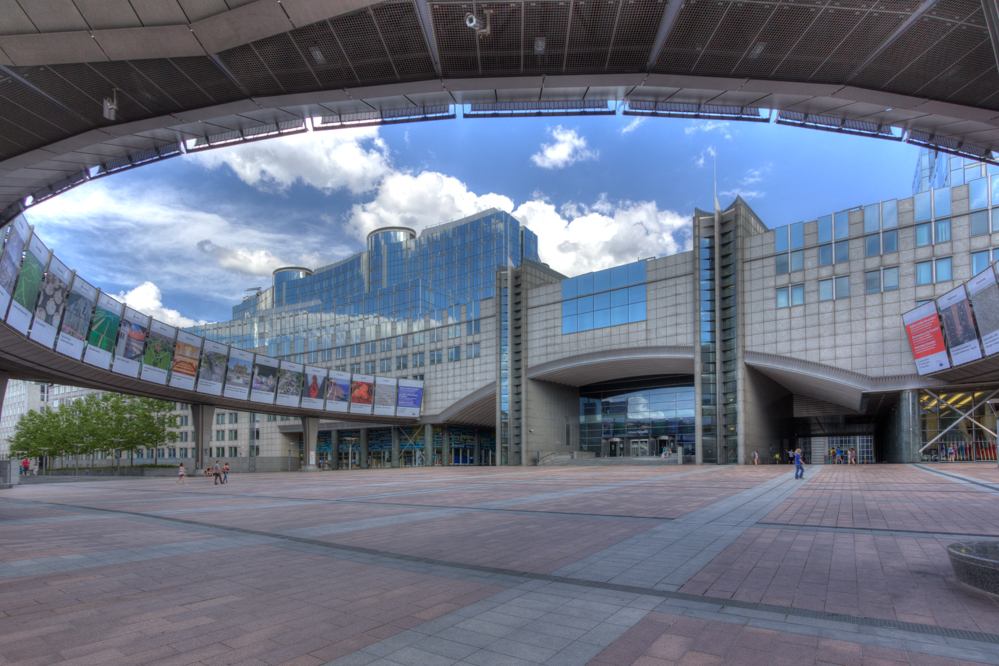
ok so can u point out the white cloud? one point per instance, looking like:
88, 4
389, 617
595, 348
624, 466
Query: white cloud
242, 259
745, 194
147, 299
539, 195
700, 159
719, 126
569, 147
347, 159
633, 125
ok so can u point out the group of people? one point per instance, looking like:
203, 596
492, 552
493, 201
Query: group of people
218, 470
25, 468
840, 456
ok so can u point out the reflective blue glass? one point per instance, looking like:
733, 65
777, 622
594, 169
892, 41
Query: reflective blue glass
842, 225
924, 234
825, 229
980, 222
872, 218
941, 202
842, 251
584, 322
782, 298
781, 265
568, 308
619, 277
924, 273
602, 301
636, 272
995, 190
636, 312
889, 214
957, 177
825, 255
943, 230
585, 284
619, 297
601, 280
568, 325
619, 315
978, 194
890, 241
569, 288
780, 239
924, 206
979, 262
872, 245
636, 294
584, 304
798, 260
601, 318
797, 235
943, 269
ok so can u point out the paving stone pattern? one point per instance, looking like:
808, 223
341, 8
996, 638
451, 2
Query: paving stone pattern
648, 566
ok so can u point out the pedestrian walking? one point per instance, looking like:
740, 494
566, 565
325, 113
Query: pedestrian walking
756, 458
225, 473
777, 458
217, 473
799, 465
181, 475
25, 466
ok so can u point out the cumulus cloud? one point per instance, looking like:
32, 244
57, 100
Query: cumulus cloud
633, 125
147, 299
745, 194
567, 149
719, 126
242, 259
355, 160
707, 152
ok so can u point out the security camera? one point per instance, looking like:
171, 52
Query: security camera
473, 21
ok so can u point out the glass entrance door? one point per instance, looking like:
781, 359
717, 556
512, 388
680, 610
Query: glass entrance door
639, 447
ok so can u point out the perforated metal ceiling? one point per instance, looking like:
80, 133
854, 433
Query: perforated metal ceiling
944, 53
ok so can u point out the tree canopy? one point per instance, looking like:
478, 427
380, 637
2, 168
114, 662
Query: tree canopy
95, 423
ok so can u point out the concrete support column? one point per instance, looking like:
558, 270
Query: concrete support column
335, 449
310, 439
395, 446
446, 445
201, 417
428, 444
363, 455
478, 452
910, 429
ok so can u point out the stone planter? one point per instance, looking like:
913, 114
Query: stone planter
976, 563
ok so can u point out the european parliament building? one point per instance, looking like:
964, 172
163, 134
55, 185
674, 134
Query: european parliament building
756, 340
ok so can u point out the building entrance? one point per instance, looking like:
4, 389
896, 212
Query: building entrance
639, 447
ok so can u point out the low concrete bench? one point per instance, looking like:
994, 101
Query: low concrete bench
976, 563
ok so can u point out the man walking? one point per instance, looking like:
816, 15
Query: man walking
217, 473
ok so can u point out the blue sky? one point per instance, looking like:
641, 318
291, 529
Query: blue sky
182, 240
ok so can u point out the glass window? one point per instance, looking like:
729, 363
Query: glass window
843, 287
636, 272
584, 284
636, 312
601, 281
978, 194
944, 270
601, 301
569, 288
872, 245
923, 205
872, 218
957, 177
584, 304
889, 214
584, 322
797, 235
979, 262
825, 290
995, 189
891, 278
943, 231
601, 318
568, 308
780, 239
619, 277
825, 255
798, 294
889, 241
842, 226
798, 260
619, 315
825, 229
782, 297
924, 272
568, 326
842, 251
872, 281
636, 294
995, 255
619, 297
924, 234
980, 223
941, 202
782, 264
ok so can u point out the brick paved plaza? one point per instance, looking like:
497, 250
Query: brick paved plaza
586, 565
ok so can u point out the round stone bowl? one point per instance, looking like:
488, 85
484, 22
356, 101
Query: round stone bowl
976, 563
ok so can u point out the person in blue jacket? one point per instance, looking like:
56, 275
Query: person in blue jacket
799, 465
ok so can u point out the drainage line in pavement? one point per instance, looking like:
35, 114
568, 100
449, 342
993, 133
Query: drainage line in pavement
957, 477
876, 530
912, 627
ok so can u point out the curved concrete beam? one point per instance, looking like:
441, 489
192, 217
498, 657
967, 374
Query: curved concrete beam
595, 367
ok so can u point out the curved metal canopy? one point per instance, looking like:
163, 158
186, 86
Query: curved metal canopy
190, 74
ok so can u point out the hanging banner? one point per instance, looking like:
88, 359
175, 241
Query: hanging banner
131, 343
103, 332
237, 375
265, 375
338, 392
214, 361
410, 398
51, 303
314, 387
959, 325
922, 326
158, 355
289, 384
10, 260
984, 291
76, 319
184, 368
362, 389
29, 286
385, 390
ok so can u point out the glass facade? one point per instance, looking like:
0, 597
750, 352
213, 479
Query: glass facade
643, 410
609, 297
970, 437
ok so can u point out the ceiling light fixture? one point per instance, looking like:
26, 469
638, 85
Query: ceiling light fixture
111, 106
317, 55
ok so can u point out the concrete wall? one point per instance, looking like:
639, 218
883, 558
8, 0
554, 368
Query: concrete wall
764, 401
548, 408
